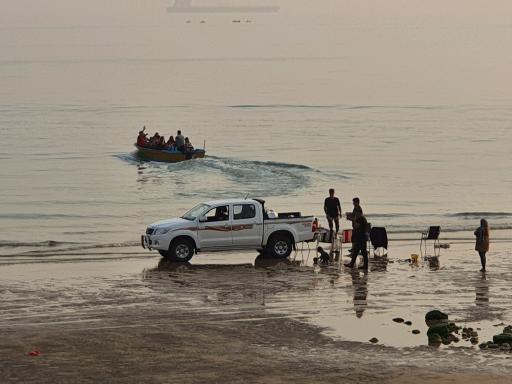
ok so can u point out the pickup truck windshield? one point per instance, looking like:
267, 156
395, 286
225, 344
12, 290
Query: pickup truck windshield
195, 212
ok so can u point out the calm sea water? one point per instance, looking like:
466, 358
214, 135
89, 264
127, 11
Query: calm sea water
415, 119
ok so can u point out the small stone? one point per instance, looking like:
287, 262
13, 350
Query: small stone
493, 346
416, 331
474, 340
408, 322
483, 346
398, 320
374, 340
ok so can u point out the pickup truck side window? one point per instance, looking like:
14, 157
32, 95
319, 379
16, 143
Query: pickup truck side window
244, 211
218, 214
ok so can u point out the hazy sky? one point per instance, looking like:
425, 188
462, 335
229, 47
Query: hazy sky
421, 12
421, 50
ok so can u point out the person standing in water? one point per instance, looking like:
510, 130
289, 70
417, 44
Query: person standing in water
359, 243
482, 241
332, 209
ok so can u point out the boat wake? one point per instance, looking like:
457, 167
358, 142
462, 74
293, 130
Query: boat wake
230, 176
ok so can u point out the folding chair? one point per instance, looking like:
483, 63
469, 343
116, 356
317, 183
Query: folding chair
379, 240
431, 234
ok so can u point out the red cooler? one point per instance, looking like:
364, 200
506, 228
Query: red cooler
347, 235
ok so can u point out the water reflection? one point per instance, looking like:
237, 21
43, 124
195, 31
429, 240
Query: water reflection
433, 263
360, 287
482, 291
379, 263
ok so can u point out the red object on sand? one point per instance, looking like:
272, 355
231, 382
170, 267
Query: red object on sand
35, 352
347, 236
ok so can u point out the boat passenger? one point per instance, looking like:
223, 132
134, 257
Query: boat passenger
188, 145
155, 140
180, 141
142, 139
170, 143
162, 144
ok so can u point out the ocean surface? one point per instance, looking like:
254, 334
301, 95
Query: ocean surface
413, 118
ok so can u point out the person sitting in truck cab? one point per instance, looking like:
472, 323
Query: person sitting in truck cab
220, 214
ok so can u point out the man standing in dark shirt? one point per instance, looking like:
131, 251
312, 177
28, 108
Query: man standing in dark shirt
356, 212
359, 242
332, 209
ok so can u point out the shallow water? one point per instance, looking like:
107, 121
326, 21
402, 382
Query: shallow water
348, 305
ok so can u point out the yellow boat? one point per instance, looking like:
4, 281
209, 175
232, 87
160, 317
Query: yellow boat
168, 156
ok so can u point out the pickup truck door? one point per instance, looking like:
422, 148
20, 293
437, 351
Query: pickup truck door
247, 225
214, 229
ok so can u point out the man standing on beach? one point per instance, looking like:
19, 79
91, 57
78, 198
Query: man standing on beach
356, 212
332, 209
359, 242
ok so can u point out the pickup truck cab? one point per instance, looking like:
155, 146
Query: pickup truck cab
223, 225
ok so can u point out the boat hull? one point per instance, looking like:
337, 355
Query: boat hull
168, 156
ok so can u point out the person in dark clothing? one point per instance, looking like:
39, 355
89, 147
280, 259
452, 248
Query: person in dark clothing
324, 257
356, 212
359, 242
332, 209
482, 241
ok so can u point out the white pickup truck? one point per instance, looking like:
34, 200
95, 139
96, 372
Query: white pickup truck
223, 225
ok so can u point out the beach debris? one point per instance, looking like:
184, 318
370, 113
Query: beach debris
435, 339
439, 330
374, 340
398, 320
408, 322
435, 315
442, 245
416, 331
502, 338
502, 341
34, 352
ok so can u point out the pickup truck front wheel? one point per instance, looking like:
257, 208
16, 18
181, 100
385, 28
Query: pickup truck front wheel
279, 246
181, 250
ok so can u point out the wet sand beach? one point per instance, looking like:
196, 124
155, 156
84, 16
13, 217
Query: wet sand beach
241, 318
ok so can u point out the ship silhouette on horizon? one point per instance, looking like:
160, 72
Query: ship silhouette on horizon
185, 6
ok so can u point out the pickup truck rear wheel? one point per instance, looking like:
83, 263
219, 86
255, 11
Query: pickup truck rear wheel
280, 246
181, 250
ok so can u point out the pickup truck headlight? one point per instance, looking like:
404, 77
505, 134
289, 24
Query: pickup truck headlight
161, 231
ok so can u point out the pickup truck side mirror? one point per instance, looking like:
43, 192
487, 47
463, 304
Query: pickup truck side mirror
203, 219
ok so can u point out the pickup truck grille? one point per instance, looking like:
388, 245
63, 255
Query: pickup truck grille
149, 231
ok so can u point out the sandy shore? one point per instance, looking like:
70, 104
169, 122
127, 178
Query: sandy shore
236, 319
